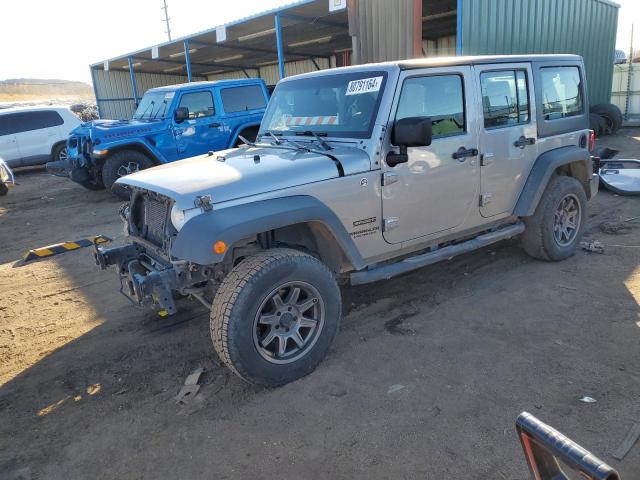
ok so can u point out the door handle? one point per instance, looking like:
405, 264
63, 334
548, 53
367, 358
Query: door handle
462, 153
524, 141
214, 125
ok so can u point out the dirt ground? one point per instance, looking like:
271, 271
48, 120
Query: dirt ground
425, 379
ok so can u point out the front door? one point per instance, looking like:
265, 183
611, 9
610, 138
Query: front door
508, 139
203, 130
434, 192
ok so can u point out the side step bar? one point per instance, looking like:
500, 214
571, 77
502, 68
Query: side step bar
385, 272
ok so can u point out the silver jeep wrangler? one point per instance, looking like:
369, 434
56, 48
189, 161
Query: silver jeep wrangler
359, 174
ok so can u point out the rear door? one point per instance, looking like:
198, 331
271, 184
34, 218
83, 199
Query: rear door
508, 134
37, 131
8, 143
203, 130
435, 190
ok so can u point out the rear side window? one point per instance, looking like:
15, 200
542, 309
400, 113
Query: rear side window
27, 121
505, 98
440, 97
241, 99
561, 92
199, 104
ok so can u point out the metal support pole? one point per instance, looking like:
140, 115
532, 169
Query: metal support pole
95, 91
187, 60
315, 64
279, 45
459, 27
134, 88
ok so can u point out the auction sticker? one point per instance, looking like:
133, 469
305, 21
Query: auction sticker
366, 85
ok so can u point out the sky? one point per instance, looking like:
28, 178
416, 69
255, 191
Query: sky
59, 39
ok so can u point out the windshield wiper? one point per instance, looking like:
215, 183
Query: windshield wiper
316, 135
273, 135
153, 102
164, 109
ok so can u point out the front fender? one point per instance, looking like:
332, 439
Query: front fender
195, 240
137, 144
544, 166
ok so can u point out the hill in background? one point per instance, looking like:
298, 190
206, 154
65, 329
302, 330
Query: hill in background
29, 89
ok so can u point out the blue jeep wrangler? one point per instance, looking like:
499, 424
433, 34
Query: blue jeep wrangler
170, 123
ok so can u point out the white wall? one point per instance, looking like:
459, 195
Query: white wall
619, 91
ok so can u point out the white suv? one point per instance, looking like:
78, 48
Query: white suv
35, 135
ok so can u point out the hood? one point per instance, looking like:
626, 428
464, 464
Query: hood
116, 129
242, 174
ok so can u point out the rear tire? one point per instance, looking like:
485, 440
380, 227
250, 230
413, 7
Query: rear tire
120, 164
553, 232
275, 316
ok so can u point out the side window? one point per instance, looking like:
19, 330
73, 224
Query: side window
240, 99
199, 104
24, 122
49, 118
561, 92
5, 125
440, 97
505, 98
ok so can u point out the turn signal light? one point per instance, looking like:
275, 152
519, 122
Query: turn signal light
219, 247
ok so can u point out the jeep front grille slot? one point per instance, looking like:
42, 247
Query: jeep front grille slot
155, 218
150, 214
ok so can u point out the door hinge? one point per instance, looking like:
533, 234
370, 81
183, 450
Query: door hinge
390, 223
485, 199
388, 178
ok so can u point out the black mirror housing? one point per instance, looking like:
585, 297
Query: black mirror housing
181, 114
412, 132
409, 132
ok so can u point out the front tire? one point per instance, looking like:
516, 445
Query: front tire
555, 229
3, 189
275, 316
120, 164
59, 153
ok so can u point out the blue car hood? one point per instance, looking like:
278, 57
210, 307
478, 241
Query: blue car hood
116, 129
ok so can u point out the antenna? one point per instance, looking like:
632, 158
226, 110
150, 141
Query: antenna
166, 18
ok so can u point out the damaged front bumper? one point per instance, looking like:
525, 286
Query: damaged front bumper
80, 164
147, 281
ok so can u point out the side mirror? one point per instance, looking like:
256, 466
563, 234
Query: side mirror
181, 114
409, 132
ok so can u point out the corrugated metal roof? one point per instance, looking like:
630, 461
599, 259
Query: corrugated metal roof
250, 42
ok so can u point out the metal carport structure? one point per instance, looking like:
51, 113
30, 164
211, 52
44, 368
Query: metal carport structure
269, 45
310, 35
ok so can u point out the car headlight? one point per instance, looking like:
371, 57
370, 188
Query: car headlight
180, 217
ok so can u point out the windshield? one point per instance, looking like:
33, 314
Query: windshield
153, 105
341, 105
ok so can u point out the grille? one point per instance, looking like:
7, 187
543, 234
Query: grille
150, 214
155, 218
